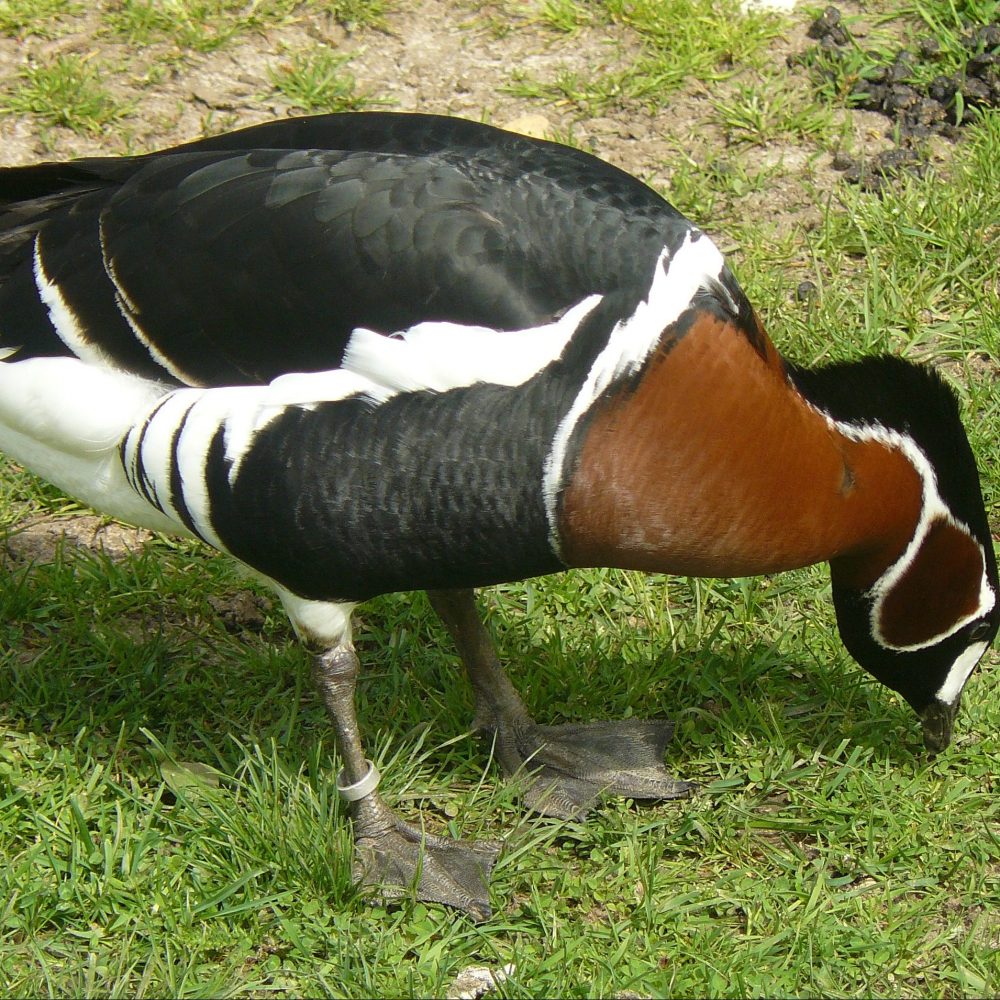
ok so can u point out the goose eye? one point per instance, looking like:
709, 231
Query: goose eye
980, 632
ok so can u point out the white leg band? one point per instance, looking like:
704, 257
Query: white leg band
361, 788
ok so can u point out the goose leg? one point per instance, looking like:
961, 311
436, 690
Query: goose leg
389, 853
569, 765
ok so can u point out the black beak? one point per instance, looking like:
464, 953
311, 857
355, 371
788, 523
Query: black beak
938, 719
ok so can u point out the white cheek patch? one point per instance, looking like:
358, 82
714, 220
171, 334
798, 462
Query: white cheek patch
963, 666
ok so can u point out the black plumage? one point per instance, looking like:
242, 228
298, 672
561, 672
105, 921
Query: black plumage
379, 221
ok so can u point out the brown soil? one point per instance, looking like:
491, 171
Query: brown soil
445, 56
40, 539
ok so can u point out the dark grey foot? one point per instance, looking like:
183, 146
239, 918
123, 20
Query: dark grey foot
399, 858
566, 768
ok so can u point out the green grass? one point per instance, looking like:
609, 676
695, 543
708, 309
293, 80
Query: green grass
923, 257
167, 815
35, 17
759, 113
679, 41
199, 25
565, 15
68, 90
838, 71
823, 854
316, 82
156, 39
207, 25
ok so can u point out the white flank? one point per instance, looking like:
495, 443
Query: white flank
66, 419
191, 452
178, 433
696, 265
147, 451
66, 322
63, 418
71, 406
933, 508
130, 313
964, 664
443, 356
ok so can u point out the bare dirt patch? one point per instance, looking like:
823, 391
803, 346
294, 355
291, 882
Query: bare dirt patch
443, 56
40, 539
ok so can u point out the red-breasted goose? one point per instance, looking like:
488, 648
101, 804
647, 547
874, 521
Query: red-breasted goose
377, 352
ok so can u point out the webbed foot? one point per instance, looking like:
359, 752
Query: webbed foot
394, 856
566, 768
399, 858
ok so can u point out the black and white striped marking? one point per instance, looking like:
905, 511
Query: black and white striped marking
473, 393
697, 265
467, 297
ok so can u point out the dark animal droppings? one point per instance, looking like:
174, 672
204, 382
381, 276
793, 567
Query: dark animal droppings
915, 110
805, 291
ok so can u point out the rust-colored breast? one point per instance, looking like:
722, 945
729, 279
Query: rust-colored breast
713, 465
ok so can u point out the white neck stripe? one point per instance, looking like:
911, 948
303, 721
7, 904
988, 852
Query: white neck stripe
674, 284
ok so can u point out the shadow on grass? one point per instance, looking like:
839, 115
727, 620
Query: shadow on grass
98, 643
